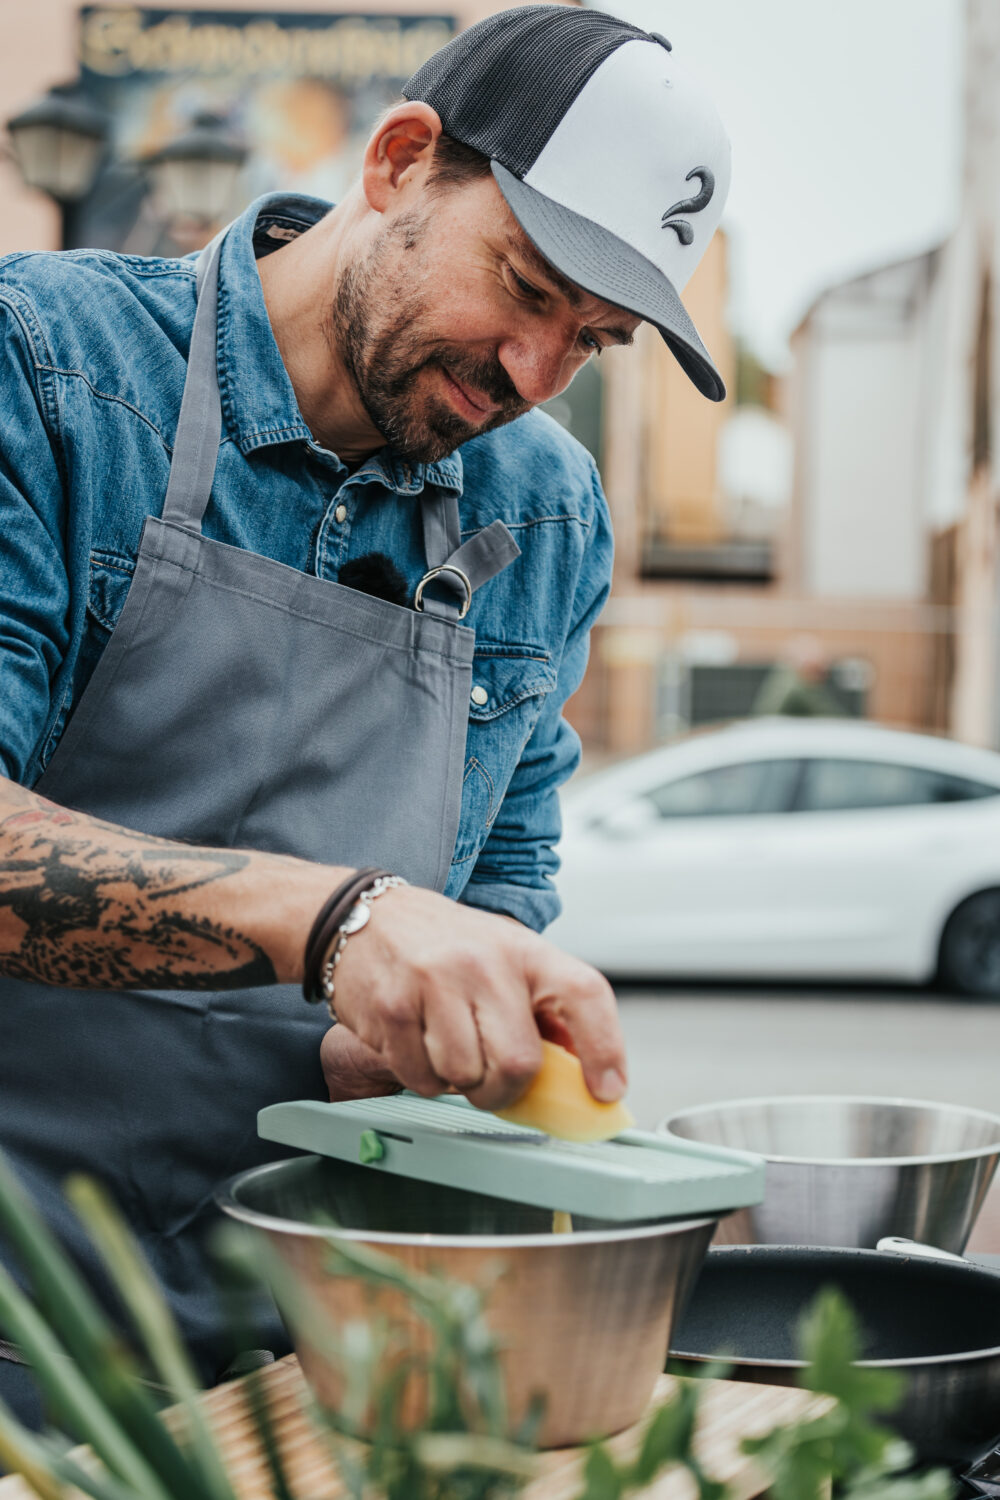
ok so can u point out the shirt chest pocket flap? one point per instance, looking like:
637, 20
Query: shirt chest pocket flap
110, 580
509, 686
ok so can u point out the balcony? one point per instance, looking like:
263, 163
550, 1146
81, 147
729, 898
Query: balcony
734, 560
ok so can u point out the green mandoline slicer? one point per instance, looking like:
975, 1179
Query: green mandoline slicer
637, 1175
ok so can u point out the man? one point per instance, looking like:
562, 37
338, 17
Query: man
294, 582
798, 685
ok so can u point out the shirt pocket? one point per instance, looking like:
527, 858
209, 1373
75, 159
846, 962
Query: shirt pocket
509, 686
109, 582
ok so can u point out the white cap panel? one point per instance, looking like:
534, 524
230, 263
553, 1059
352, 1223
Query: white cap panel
643, 101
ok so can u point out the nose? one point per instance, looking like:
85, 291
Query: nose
540, 364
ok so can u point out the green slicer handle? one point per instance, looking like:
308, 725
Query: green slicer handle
448, 1142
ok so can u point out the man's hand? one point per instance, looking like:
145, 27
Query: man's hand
444, 996
352, 1070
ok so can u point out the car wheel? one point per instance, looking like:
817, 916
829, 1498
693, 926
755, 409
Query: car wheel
970, 946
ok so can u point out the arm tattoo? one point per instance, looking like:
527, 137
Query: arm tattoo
90, 906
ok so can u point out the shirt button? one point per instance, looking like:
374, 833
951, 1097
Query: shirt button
480, 696
340, 514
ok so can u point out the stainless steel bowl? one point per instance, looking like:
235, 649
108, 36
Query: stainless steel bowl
849, 1171
582, 1319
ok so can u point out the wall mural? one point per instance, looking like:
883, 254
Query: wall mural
303, 90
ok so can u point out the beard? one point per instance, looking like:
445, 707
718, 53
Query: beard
391, 359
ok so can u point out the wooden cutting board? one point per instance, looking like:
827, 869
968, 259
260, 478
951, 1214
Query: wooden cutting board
729, 1412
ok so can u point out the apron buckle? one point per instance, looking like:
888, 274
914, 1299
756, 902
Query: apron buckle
434, 573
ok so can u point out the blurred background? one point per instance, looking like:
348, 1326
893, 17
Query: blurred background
836, 515
818, 556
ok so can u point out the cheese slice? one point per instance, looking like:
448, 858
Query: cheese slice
558, 1101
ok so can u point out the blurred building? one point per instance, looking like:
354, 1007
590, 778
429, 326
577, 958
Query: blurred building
863, 403
896, 384
903, 365
894, 404
862, 435
301, 85
965, 572
730, 557
886, 557
734, 552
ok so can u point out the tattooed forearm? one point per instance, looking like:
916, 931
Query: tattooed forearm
88, 905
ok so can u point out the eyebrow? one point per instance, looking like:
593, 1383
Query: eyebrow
523, 248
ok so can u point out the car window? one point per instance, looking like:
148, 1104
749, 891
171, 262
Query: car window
756, 786
840, 785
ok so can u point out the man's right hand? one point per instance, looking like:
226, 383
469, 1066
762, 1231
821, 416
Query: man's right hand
446, 996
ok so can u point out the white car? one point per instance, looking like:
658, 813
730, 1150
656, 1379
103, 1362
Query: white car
805, 848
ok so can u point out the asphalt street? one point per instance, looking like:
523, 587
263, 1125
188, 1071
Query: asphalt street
695, 1044
691, 1045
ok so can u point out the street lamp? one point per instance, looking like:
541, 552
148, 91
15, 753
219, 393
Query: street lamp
60, 146
194, 176
58, 143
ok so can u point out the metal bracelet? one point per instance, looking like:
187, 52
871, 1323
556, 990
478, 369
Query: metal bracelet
356, 918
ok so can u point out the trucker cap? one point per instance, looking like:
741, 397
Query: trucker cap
610, 154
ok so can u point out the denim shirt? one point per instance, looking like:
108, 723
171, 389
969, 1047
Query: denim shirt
94, 359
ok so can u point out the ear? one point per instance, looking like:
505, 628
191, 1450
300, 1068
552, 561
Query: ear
398, 156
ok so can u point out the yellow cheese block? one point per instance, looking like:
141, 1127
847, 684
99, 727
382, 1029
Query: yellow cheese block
559, 1102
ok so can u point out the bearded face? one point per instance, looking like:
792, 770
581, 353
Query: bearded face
404, 373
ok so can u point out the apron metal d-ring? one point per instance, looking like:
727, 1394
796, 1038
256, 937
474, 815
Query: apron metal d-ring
434, 573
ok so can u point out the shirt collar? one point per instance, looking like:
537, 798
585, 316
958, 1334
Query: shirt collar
258, 399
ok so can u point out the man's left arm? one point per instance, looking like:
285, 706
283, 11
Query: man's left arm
515, 868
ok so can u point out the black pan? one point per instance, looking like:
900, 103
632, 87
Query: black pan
936, 1321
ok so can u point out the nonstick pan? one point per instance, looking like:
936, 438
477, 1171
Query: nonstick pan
931, 1316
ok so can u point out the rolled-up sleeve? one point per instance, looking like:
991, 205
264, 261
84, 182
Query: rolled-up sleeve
515, 869
34, 584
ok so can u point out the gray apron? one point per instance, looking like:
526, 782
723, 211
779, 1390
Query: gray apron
239, 703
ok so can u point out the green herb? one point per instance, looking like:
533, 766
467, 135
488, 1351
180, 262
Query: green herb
848, 1444
463, 1449
666, 1442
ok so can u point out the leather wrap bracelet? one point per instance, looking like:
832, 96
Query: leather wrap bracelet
357, 918
329, 920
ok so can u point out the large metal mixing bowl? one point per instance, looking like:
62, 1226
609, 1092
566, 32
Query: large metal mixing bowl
582, 1319
849, 1171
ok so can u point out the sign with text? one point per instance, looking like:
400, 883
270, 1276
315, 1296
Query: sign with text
303, 90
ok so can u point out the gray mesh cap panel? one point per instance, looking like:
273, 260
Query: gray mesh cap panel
504, 85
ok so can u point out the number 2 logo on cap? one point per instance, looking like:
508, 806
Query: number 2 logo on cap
690, 205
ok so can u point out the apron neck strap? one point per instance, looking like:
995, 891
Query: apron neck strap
442, 525
458, 567
199, 428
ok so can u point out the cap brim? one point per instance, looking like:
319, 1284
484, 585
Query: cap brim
600, 263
